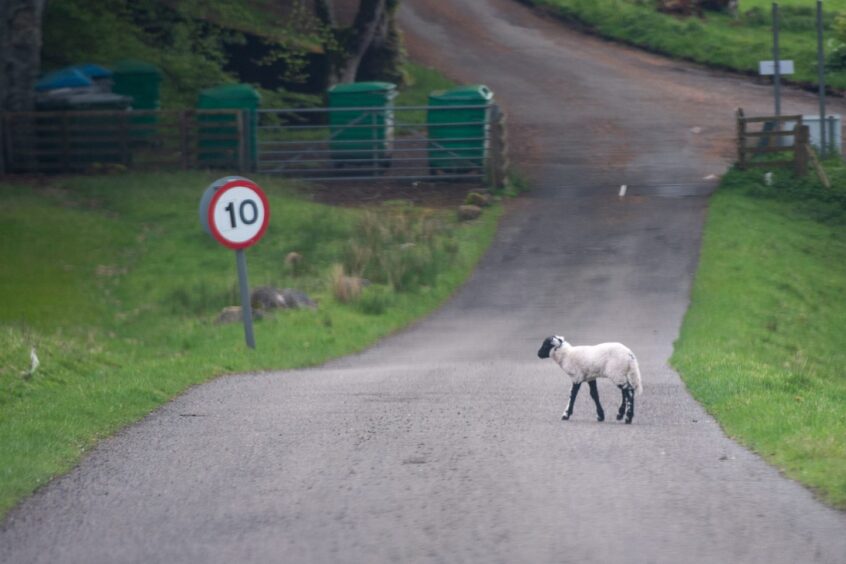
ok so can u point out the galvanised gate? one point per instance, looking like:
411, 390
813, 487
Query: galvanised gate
400, 143
395, 143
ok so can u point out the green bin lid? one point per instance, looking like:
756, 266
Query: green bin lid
133, 66
241, 95
362, 87
471, 93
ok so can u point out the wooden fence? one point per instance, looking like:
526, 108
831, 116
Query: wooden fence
409, 143
57, 142
771, 136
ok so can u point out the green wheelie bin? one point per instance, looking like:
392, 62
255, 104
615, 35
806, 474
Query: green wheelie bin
362, 135
142, 83
218, 139
458, 124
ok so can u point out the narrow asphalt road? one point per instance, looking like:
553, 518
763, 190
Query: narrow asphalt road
444, 443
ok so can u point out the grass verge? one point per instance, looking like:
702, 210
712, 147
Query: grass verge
114, 283
762, 344
716, 39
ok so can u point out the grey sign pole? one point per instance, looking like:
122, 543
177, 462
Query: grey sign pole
246, 307
777, 70
236, 212
821, 79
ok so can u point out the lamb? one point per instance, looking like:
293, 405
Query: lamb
587, 363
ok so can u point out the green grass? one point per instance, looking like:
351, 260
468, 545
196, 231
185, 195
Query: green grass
716, 39
762, 344
115, 284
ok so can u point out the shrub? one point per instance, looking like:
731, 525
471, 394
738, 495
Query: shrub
375, 300
345, 288
400, 246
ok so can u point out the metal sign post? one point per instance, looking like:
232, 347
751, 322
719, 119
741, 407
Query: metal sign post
246, 306
821, 79
235, 212
777, 70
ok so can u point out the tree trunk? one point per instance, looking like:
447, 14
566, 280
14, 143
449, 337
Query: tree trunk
20, 52
367, 21
20, 56
323, 11
383, 59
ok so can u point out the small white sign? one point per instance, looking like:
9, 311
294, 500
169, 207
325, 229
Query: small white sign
766, 68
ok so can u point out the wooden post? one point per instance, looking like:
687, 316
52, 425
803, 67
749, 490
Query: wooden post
125, 155
801, 150
3, 142
498, 152
493, 149
817, 166
184, 147
65, 142
242, 142
741, 139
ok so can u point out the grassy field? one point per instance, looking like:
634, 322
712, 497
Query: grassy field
762, 344
716, 39
114, 283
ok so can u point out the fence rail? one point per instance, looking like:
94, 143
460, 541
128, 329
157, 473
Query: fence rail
397, 143
773, 139
350, 143
54, 142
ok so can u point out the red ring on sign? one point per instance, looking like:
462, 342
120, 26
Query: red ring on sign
238, 183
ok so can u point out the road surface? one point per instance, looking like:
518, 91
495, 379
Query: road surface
444, 443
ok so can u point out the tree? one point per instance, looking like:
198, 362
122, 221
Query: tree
370, 48
20, 55
20, 52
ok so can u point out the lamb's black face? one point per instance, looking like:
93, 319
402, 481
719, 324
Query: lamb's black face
548, 344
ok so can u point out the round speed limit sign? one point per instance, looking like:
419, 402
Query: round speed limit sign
234, 210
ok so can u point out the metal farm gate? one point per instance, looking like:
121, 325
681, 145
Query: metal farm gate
396, 143
458, 142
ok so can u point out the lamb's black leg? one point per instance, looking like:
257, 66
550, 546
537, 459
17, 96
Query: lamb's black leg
630, 408
574, 391
594, 393
622, 410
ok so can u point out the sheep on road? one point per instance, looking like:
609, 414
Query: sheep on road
587, 363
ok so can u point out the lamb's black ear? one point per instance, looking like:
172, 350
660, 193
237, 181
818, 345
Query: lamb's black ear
543, 352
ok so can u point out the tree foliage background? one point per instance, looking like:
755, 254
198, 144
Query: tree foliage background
292, 49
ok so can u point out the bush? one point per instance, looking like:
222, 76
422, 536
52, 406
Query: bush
375, 300
400, 246
345, 288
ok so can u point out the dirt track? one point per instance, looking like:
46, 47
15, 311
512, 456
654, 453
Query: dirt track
444, 443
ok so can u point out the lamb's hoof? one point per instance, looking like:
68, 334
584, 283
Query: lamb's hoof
628, 420
619, 418
600, 418
565, 417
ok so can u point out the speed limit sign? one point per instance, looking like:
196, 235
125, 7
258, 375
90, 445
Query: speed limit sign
234, 210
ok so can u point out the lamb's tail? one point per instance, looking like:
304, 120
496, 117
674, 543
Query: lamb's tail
634, 376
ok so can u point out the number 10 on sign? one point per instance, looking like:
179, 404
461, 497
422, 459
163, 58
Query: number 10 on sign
235, 212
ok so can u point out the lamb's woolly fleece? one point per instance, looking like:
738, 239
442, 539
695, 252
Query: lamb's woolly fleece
614, 361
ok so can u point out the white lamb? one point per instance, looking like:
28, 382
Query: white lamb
585, 364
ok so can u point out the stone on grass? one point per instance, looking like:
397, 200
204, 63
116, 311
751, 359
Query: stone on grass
296, 299
478, 199
230, 314
467, 213
268, 298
